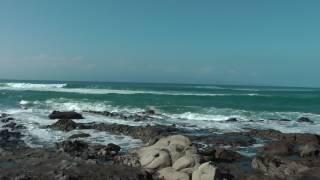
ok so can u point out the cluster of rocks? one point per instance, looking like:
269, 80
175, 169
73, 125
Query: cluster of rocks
171, 158
171, 153
83, 150
9, 134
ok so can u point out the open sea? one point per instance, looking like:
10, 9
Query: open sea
186, 105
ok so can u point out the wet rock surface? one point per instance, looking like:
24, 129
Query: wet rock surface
42, 164
65, 115
64, 125
81, 149
147, 133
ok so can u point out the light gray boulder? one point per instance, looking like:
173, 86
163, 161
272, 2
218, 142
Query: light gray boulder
171, 174
206, 171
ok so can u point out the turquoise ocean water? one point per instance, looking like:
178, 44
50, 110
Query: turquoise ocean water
186, 105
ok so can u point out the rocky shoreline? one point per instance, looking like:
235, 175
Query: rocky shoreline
170, 152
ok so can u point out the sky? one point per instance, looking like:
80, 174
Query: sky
252, 42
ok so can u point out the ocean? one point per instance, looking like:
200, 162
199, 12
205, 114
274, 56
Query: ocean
189, 106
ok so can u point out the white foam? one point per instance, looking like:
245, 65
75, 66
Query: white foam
38, 135
31, 85
61, 88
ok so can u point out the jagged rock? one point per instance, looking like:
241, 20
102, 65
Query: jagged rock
131, 160
65, 115
85, 151
170, 173
310, 150
64, 125
206, 171
278, 167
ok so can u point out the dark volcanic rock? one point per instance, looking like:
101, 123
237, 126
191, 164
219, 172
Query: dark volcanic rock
304, 119
4, 115
11, 125
150, 112
285, 120
80, 135
65, 115
7, 119
64, 125
41, 164
85, 151
232, 120
10, 139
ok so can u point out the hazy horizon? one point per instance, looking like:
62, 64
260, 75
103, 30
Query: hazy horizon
229, 43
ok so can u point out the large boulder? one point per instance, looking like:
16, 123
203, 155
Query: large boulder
65, 115
171, 158
165, 152
170, 173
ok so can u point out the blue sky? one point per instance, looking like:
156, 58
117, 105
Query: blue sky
231, 42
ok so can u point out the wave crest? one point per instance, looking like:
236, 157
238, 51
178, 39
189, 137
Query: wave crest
32, 86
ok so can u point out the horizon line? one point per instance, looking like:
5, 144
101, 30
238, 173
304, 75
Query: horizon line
148, 82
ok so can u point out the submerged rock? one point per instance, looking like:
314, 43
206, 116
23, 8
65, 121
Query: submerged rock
80, 135
232, 120
305, 119
65, 115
